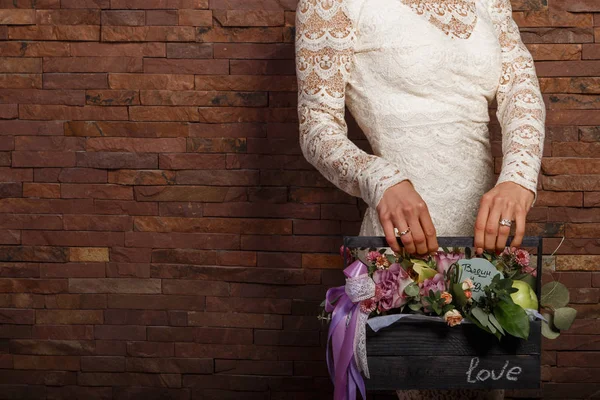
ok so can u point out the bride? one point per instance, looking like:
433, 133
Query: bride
419, 76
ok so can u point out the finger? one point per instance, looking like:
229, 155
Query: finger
491, 226
418, 236
482, 216
429, 231
503, 230
390, 236
520, 217
407, 238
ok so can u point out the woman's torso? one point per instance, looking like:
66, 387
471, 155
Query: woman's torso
421, 97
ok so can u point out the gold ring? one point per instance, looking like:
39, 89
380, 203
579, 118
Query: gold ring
403, 232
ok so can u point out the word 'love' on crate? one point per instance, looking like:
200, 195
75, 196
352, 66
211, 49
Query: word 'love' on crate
402, 318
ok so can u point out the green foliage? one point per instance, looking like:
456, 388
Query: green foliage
513, 319
564, 317
411, 289
554, 295
548, 329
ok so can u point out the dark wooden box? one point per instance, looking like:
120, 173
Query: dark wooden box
432, 355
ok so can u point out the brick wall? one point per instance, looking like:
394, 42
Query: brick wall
161, 235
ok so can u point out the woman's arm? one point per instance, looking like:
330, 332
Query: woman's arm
325, 39
521, 110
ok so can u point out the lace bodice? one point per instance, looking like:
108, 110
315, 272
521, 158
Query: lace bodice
418, 77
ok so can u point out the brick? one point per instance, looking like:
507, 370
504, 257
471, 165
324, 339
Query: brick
181, 240
170, 365
17, 17
204, 288
156, 302
112, 97
72, 113
43, 159
162, 17
254, 367
11, 316
32, 96
125, 207
41, 190
195, 17
52, 347
247, 18
88, 254
191, 161
63, 332
48, 143
77, 301
21, 81
174, 66
115, 160
8, 111
66, 238
120, 332
128, 378
103, 363
69, 316
151, 81
202, 98
32, 362
136, 145
150, 349
134, 317
136, 177
92, 64
126, 129
75, 81
55, 32
85, 4
36, 128
96, 191
35, 49
73, 270
114, 285
275, 306
68, 17
235, 320
217, 145
157, 113
123, 18
148, 34
184, 193
127, 270
189, 50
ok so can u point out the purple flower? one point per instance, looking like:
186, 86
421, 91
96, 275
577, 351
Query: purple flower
391, 282
444, 260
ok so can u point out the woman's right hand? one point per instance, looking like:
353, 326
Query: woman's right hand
401, 206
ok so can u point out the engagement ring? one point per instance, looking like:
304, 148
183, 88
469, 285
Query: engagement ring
403, 232
506, 222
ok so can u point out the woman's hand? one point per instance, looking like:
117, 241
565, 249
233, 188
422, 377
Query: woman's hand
401, 206
507, 200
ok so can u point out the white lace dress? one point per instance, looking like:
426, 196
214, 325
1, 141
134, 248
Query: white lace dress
418, 77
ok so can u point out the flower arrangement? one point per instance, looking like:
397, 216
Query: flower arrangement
496, 292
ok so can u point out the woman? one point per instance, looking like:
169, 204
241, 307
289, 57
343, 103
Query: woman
418, 76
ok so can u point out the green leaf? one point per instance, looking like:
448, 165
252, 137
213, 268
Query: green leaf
445, 249
563, 317
548, 329
495, 322
458, 294
411, 289
415, 306
391, 258
513, 319
481, 315
447, 308
554, 295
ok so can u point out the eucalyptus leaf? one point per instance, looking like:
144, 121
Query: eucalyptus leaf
548, 329
411, 289
415, 306
554, 295
564, 317
495, 322
513, 319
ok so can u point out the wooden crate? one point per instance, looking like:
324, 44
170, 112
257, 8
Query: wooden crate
432, 355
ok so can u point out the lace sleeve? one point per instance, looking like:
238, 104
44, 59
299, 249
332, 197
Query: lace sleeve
324, 42
521, 110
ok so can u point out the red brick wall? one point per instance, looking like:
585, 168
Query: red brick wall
161, 235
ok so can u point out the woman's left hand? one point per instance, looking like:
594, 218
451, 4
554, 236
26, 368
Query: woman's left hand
507, 200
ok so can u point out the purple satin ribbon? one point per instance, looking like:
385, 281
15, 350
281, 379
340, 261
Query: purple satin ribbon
342, 364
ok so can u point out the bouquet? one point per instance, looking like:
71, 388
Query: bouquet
496, 292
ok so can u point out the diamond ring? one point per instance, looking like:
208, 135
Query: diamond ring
506, 222
403, 232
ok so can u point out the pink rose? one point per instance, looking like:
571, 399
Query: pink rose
372, 256
444, 260
522, 257
391, 282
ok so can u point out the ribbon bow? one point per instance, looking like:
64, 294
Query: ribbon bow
347, 332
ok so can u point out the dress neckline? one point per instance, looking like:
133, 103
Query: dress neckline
456, 18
